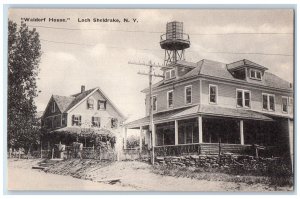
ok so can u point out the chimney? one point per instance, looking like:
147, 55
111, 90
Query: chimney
82, 88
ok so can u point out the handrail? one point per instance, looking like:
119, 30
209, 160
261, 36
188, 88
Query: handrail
183, 36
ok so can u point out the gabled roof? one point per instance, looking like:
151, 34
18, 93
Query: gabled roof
66, 103
63, 102
219, 70
78, 97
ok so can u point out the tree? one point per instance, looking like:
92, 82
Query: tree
24, 53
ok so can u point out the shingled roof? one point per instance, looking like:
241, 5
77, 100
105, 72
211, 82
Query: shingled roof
65, 103
244, 62
220, 70
206, 110
79, 96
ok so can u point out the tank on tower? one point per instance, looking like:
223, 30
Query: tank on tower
175, 41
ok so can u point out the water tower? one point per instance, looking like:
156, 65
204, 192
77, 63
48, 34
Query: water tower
174, 42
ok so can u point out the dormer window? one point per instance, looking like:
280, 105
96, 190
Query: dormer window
170, 74
255, 74
245, 68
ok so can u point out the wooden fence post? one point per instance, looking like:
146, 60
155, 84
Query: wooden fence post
100, 153
41, 150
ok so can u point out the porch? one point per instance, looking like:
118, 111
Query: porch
241, 132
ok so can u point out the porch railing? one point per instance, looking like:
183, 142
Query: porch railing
203, 148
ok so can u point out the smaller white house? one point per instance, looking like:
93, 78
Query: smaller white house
68, 119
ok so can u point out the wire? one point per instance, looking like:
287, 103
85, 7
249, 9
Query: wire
250, 53
61, 42
156, 32
92, 29
145, 49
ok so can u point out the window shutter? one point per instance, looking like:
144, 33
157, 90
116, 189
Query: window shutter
105, 105
73, 120
79, 120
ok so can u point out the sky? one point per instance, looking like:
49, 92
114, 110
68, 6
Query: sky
96, 54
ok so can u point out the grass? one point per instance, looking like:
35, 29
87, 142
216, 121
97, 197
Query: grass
274, 176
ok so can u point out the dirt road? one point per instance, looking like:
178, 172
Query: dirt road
134, 176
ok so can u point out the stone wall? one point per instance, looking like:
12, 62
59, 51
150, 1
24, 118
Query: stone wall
227, 160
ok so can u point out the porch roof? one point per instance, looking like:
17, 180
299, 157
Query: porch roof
83, 131
163, 116
232, 113
206, 110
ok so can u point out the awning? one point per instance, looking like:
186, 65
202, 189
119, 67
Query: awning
205, 110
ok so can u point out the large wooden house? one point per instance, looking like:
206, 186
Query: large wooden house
67, 119
203, 104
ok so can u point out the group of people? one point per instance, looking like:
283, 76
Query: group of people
16, 153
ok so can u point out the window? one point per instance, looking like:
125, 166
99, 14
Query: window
63, 120
114, 123
188, 94
170, 99
96, 122
265, 102
243, 98
90, 103
213, 93
188, 131
53, 107
49, 123
56, 121
255, 74
154, 103
291, 101
169, 74
268, 102
76, 120
101, 105
285, 104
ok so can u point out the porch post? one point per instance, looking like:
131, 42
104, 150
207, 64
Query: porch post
141, 141
153, 135
176, 132
200, 129
242, 131
291, 140
125, 138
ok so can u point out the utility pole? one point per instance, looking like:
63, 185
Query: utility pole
150, 74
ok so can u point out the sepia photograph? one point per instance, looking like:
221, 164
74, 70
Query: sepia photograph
150, 100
